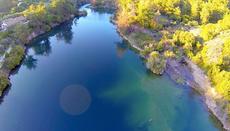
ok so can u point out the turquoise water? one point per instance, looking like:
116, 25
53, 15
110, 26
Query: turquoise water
83, 77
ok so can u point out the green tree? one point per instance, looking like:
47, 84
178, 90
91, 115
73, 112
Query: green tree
14, 57
156, 63
145, 13
185, 39
4, 81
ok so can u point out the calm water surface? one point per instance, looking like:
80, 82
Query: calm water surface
82, 77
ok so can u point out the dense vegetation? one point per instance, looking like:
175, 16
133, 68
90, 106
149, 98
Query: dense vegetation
175, 20
14, 57
144, 11
103, 4
3, 82
156, 62
42, 16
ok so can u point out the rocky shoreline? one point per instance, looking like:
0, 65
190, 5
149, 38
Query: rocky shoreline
190, 74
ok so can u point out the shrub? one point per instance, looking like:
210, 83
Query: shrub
147, 49
156, 63
21, 32
221, 80
42, 15
185, 39
4, 81
225, 57
209, 31
169, 54
14, 57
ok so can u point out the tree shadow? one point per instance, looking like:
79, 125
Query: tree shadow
30, 62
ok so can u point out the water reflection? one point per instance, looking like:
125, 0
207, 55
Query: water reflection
30, 62
42, 46
121, 48
66, 33
102, 10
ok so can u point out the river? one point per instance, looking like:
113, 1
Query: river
82, 76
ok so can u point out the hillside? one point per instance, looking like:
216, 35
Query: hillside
196, 30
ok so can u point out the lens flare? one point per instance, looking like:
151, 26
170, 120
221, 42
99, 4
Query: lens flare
75, 100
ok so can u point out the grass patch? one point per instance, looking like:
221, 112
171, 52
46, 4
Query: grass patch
141, 39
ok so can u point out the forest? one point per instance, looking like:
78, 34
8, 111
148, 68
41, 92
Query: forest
196, 29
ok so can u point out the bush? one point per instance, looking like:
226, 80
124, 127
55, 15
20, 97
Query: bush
21, 32
185, 39
156, 63
42, 16
221, 80
169, 54
14, 57
147, 49
4, 81
225, 57
209, 31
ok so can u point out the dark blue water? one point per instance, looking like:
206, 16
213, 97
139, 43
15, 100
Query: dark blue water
82, 77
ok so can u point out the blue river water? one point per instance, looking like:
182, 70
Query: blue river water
82, 76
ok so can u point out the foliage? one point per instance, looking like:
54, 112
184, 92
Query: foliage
218, 72
156, 63
147, 49
4, 81
43, 16
221, 80
4, 34
210, 17
143, 11
126, 15
21, 32
103, 3
169, 54
185, 39
225, 57
209, 31
14, 58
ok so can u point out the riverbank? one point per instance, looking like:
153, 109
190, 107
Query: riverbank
130, 97
14, 53
188, 73
184, 71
